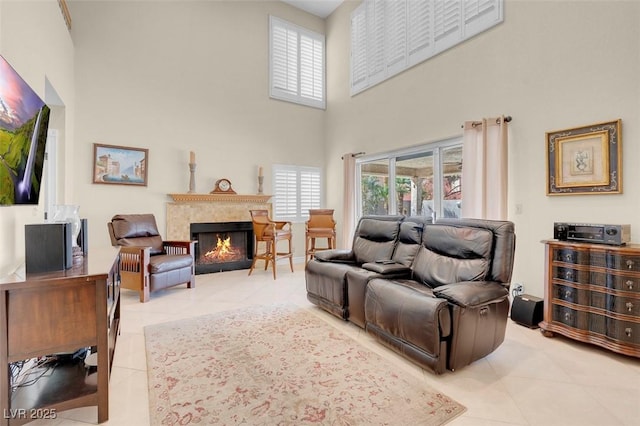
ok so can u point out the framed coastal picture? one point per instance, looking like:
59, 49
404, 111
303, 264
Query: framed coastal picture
120, 165
585, 160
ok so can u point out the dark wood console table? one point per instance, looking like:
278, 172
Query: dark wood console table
59, 313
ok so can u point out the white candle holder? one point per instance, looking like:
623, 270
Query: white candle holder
192, 178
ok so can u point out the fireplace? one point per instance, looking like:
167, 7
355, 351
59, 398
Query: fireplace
222, 246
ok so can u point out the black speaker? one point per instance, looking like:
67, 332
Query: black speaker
83, 237
527, 310
48, 247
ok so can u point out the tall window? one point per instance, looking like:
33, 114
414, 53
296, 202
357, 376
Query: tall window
296, 189
297, 64
421, 181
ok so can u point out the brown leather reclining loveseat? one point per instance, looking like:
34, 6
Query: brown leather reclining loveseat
437, 293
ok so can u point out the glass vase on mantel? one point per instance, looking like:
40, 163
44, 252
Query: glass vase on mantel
69, 213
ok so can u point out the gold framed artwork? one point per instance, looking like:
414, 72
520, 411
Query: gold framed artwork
585, 160
120, 165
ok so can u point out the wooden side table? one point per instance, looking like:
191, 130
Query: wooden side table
60, 312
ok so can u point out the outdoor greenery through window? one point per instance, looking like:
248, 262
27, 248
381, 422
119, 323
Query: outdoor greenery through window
423, 181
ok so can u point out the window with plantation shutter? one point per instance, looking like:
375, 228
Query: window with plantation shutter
296, 189
297, 64
388, 37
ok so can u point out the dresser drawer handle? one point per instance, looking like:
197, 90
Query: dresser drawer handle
629, 284
630, 264
629, 306
567, 316
569, 257
627, 331
568, 294
568, 275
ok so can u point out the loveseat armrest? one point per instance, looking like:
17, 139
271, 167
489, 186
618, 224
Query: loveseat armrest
472, 293
335, 256
179, 247
387, 267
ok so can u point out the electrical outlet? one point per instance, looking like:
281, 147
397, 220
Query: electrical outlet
517, 289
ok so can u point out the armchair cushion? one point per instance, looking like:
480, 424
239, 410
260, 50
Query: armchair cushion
137, 230
164, 263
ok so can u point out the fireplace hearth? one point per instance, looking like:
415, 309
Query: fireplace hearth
222, 246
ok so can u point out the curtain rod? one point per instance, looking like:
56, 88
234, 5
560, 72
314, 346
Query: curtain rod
478, 123
357, 154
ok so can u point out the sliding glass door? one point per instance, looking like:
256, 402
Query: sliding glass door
422, 181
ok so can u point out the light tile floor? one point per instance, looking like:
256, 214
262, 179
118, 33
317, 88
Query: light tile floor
529, 380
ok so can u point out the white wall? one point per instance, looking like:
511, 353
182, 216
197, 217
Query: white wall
36, 42
550, 65
176, 77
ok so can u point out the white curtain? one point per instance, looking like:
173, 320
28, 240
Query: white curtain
484, 169
348, 200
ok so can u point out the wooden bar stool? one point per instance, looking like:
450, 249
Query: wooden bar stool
270, 232
319, 225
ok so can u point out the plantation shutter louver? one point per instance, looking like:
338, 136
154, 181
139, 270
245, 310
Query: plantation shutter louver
285, 193
446, 26
359, 79
396, 36
478, 14
309, 191
419, 30
375, 39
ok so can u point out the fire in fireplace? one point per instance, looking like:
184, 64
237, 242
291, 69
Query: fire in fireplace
222, 246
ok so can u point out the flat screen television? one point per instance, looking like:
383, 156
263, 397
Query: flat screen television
24, 121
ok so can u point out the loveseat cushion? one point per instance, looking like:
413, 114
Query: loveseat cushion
409, 239
404, 315
472, 294
375, 240
451, 254
335, 255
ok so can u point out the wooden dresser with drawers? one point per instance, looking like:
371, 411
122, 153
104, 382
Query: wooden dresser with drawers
592, 294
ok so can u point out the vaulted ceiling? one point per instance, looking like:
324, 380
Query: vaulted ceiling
321, 8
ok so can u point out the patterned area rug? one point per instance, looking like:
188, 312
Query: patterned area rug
278, 365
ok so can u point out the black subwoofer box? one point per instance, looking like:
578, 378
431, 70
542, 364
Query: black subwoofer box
527, 310
48, 247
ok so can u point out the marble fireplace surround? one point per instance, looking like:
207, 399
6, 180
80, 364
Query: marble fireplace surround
205, 208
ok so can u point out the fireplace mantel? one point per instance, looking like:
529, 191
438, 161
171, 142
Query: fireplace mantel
238, 198
205, 208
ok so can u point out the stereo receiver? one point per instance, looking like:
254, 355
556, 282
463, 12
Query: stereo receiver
617, 235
